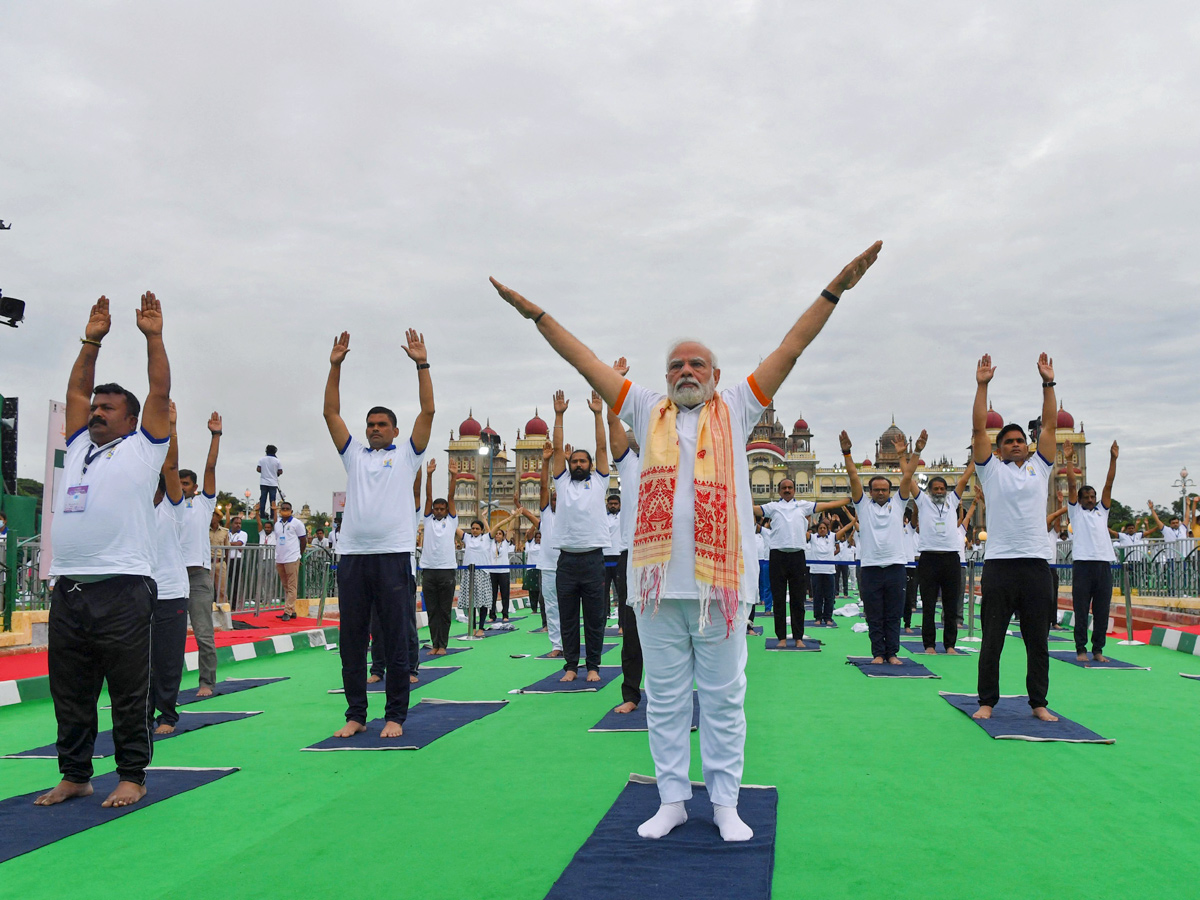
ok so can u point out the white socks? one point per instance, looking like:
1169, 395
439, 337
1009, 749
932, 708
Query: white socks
668, 817
731, 825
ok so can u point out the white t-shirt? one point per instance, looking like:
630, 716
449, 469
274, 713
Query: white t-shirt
846, 551
789, 523
881, 538
548, 561
1090, 538
287, 539
1175, 551
170, 573
582, 520
910, 542
939, 523
762, 541
616, 541
379, 493
104, 517
476, 550
242, 538
962, 543
629, 469
269, 469
1016, 506
819, 550
533, 552
746, 404
197, 512
438, 549
270, 541
498, 556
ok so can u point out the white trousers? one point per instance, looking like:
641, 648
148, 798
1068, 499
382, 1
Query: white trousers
550, 599
675, 653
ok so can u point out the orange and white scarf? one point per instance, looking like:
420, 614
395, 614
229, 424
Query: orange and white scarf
719, 563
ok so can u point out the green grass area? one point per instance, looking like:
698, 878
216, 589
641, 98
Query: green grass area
884, 789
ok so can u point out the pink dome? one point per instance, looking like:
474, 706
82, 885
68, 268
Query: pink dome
920, 462
488, 431
994, 419
800, 425
536, 426
469, 428
1065, 419
866, 462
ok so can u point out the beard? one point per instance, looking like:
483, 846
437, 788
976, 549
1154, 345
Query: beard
580, 474
689, 394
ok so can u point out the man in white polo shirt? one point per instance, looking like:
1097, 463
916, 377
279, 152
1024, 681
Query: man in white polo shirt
1016, 576
547, 561
269, 471
616, 557
939, 543
693, 545
104, 551
377, 539
883, 554
629, 469
789, 539
197, 514
291, 540
1092, 555
581, 536
438, 561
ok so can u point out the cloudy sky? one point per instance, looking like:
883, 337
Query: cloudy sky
278, 172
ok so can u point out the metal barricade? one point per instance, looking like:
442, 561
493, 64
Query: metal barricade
245, 577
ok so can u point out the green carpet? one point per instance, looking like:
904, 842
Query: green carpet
884, 789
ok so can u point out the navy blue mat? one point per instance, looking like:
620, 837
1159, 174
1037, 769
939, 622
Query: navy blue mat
808, 625
1052, 637
636, 720
612, 631
809, 646
909, 668
490, 632
1185, 675
755, 629
188, 721
27, 827
690, 863
222, 689
427, 675
427, 721
604, 648
551, 684
1012, 720
425, 656
1068, 656
919, 647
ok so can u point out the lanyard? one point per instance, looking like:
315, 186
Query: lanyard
90, 456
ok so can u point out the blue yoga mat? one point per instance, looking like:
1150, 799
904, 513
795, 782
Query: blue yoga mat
636, 720
1012, 720
909, 668
425, 656
690, 863
612, 631
488, 633
809, 646
222, 689
810, 624
428, 675
919, 647
604, 648
1193, 677
552, 685
1068, 656
27, 827
426, 722
188, 721
755, 629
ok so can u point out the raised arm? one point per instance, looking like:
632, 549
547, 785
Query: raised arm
1106, 496
214, 447
909, 463
170, 467
618, 442
1157, 521
83, 373
960, 487
981, 444
829, 504
417, 489
333, 394
597, 408
156, 409
452, 473
602, 378
775, 368
856, 488
560, 458
1047, 438
415, 348
1069, 466
844, 530
547, 459
430, 468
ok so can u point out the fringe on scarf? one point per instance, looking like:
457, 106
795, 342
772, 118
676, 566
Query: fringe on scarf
726, 600
648, 583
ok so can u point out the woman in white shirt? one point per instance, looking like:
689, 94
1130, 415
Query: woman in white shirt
498, 551
476, 589
822, 574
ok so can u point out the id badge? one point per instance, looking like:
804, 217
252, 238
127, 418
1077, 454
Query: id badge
939, 526
76, 499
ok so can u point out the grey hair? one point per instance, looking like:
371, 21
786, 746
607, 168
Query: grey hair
676, 344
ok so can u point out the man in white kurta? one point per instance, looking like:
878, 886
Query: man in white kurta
683, 636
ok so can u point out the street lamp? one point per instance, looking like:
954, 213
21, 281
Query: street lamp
489, 450
1183, 484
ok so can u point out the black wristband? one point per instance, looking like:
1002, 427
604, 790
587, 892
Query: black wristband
847, 452
830, 296
538, 317
216, 433
421, 366
1047, 384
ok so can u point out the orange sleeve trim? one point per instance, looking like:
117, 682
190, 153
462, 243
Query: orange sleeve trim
758, 394
621, 396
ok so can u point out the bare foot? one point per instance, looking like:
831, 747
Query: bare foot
1099, 657
373, 679
164, 728
126, 793
877, 661
413, 679
64, 790
1044, 714
391, 730
895, 661
568, 676
984, 712
932, 651
593, 675
625, 708
204, 691
782, 645
554, 654
954, 652
479, 632
1080, 657
620, 631
350, 729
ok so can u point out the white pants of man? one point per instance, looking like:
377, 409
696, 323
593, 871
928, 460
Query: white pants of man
550, 599
675, 652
